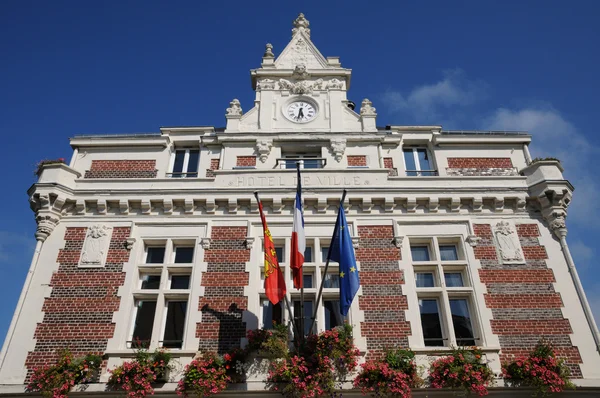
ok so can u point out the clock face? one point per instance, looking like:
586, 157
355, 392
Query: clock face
301, 111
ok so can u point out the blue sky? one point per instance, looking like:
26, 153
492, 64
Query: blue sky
111, 67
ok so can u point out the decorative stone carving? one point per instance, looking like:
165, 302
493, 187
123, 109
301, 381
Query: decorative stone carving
249, 242
129, 242
558, 222
96, 245
398, 240
235, 109
508, 242
366, 108
300, 72
338, 147
266, 84
205, 243
301, 24
335, 84
263, 147
473, 240
318, 84
269, 51
45, 226
355, 242
301, 87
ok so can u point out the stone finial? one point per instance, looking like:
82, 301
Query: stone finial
367, 109
269, 51
301, 24
235, 109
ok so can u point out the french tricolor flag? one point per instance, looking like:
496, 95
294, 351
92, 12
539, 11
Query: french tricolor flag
298, 238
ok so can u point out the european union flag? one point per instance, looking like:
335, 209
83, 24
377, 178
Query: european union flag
342, 251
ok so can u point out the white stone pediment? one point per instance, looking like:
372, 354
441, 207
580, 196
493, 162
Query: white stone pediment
249, 122
301, 51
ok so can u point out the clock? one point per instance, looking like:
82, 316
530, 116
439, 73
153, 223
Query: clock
300, 111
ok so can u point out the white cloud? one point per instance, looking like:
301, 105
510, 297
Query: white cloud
555, 136
429, 100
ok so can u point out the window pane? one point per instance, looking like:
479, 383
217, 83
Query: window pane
308, 257
178, 165
461, 319
333, 316
144, 319
155, 255
174, 327
192, 169
180, 281
430, 322
453, 279
425, 279
312, 163
272, 314
184, 255
308, 280
308, 312
448, 253
150, 281
290, 164
423, 159
332, 281
409, 160
279, 252
419, 253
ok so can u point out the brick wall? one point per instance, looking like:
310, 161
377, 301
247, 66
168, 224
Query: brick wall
246, 161
360, 160
382, 300
78, 314
224, 280
524, 304
388, 163
214, 165
480, 167
122, 169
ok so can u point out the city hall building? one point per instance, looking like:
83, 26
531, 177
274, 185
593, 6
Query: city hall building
460, 237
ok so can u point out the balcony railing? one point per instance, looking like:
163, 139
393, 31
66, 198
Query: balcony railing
305, 163
421, 173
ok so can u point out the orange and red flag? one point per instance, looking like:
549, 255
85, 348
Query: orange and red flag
274, 282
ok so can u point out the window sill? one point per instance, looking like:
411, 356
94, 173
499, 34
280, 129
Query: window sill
131, 352
90, 266
447, 350
244, 167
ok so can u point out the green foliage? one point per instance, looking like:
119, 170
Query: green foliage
535, 160
404, 361
271, 344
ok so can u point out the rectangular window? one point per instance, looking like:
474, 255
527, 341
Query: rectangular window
431, 323
425, 279
453, 279
180, 282
419, 253
271, 314
144, 322
417, 161
155, 254
185, 163
308, 257
448, 253
308, 280
150, 281
308, 312
333, 316
307, 161
184, 255
279, 251
175, 324
461, 319
332, 281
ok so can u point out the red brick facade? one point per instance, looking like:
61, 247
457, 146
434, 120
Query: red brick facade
122, 169
524, 304
224, 280
78, 314
480, 167
214, 165
246, 161
359, 160
382, 301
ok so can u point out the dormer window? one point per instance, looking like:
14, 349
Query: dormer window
417, 160
184, 163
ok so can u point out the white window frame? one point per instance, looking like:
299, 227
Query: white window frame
164, 293
301, 156
186, 160
443, 293
419, 169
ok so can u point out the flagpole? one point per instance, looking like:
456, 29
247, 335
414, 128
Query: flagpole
287, 303
301, 272
335, 228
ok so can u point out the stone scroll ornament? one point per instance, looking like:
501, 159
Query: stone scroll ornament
508, 242
96, 245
